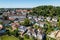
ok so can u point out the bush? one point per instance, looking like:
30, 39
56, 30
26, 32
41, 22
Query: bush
26, 22
1, 22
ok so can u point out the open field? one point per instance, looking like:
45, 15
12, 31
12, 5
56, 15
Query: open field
8, 38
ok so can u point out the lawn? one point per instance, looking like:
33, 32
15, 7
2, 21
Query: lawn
8, 38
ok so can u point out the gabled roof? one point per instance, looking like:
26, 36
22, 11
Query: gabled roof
55, 34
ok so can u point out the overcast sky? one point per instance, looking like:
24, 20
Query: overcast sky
27, 3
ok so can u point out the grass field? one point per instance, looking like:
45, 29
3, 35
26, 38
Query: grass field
8, 38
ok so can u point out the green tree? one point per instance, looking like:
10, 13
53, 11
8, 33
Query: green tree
26, 22
46, 11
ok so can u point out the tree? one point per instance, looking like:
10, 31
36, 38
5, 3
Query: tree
5, 17
26, 22
46, 11
58, 23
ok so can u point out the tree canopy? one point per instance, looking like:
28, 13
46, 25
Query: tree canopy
46, 11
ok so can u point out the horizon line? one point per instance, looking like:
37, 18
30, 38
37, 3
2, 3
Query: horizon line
32, 7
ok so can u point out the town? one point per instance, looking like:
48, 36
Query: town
25, 24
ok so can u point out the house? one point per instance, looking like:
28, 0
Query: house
13, 25
30, 16
1, 26
11, 18
5, 14
41, 18
32, 21
23, 11
55, 34
55, 19
36, 24
20, 18
34, 17
13, 12
53, 23
2, 31
1, 16
21, 28
41, 24
8, 12
6, 21
48, 19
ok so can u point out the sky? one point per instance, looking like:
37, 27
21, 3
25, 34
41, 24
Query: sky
27, 3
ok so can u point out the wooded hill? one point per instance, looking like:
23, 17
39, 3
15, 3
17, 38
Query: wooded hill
46, 11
